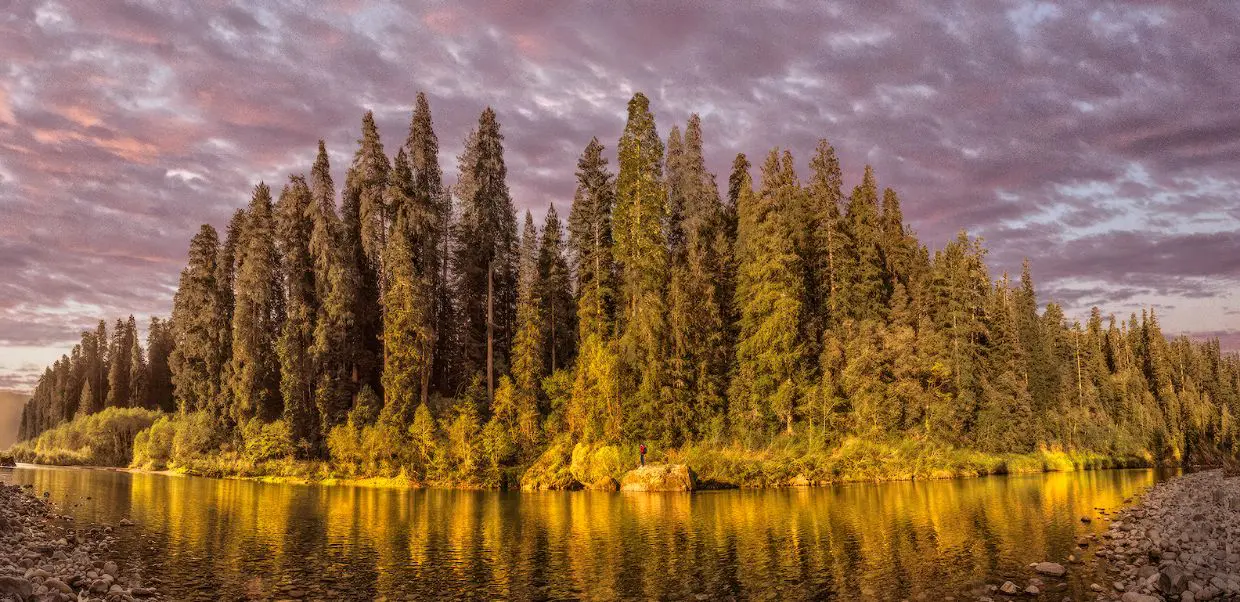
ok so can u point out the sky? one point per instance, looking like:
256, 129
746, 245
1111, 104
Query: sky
1100, 140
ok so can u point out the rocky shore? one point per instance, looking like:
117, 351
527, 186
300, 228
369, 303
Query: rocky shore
44, 558
1181, 542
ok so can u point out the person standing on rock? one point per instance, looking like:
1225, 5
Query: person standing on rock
641, 449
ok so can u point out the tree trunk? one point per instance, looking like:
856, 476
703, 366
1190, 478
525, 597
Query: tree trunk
490, 332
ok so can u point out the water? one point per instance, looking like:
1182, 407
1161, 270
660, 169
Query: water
208, 539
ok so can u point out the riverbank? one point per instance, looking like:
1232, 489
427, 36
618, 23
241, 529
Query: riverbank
43, 558
1181, 541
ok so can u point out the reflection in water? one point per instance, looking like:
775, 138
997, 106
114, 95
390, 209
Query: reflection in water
226, 539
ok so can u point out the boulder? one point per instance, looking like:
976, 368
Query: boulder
1053, 569
1008, 588
1172, 580
16, 587
659, 477
605, 484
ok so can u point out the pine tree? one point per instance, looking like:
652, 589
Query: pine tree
867, 292
556, 296
423, 152
486, 244
336, 283
642, 263
197, 360
293, 230
159, 347
409, 310
698, 358
590, 243
257, 316
139, 383
527, 348
369, 175
769, 296
364, 355
118, 367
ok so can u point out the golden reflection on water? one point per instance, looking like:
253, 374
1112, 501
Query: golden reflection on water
227, 539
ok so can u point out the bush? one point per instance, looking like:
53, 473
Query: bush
105, 438
595, 461
264, 441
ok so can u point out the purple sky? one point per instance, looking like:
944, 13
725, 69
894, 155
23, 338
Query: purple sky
1100, 140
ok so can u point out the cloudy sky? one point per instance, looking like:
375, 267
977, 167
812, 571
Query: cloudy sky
1100, 140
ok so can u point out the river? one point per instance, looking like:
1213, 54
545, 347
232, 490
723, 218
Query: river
211, 539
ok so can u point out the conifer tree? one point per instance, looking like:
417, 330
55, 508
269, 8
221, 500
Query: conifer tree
159, 343
642, 263
527, 348
198, 327
590, 243
257, 316
423, 153
556, 296
825, 246
293, 230
769, 296
486, 245
336, 283
139, 383
369, 177
118, 367
364, 357
409, 310
867, 294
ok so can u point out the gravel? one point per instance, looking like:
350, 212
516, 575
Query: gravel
44, 558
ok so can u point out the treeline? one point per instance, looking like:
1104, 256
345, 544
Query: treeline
104, 371
430, 328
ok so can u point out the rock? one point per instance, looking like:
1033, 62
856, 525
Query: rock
659, 477
16, 587
605, 484
1096, 587
1188, 597
110, 568
1032, 590
58, 585
799, 481
1008, 588
1053, 569
1136, 597
1086, 519
1172, 580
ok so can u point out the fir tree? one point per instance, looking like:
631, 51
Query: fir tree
590, 243
556, 296
198, 327
293, 230
642, 263
257, 316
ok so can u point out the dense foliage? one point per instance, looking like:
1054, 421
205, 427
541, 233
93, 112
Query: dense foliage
414, 329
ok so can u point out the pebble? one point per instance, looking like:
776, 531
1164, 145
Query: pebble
43, 559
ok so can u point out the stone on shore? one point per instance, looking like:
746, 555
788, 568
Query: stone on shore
605, 484
1053, 569
659, 477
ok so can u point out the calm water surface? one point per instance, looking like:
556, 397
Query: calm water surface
209, 539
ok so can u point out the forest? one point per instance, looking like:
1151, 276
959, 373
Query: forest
771, 328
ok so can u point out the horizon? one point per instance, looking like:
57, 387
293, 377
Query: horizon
1097, 143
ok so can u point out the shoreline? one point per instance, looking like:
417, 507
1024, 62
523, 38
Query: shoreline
44, 557
1179, 540
400, 482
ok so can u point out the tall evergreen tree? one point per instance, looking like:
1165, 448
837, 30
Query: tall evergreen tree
590, 243
159, 347
555, 294
423, 151
867, 293
198, 327
293, 229
118, 367
642, 261
769, 297
139, 383
486, 245
336, 283
257, 316
409, 303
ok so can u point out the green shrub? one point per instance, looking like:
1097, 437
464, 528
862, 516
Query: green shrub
105, 438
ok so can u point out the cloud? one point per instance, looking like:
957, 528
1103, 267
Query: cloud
1097, 140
